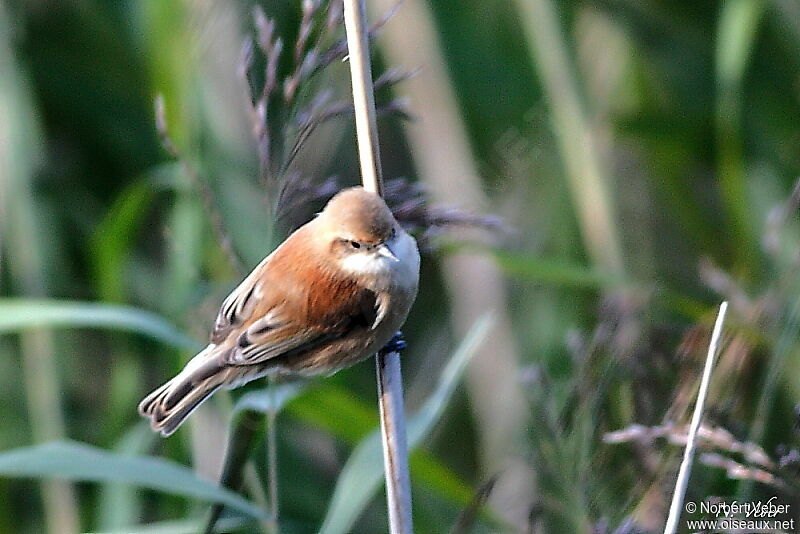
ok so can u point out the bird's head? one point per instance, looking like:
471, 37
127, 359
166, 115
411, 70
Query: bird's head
363, 235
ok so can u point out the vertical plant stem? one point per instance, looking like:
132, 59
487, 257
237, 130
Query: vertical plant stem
47, 423
736, 32
440, 147
395, 447
578, 147
691, 439
272, 463
363, 97
390, 381
25, 245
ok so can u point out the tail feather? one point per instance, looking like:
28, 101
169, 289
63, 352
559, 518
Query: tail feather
169, 405
168, 421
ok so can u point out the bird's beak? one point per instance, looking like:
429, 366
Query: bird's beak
386, 252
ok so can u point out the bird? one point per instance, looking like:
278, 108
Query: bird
336, 291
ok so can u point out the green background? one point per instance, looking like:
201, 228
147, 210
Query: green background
692, 115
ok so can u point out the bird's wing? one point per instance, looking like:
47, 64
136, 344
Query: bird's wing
256, 346
288, 305
279, 332
238, 307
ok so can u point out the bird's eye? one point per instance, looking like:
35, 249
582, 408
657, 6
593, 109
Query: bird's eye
355, 244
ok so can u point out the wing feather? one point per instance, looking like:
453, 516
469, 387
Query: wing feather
267, 316
238, 307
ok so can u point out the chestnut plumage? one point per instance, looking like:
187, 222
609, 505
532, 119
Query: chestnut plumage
333, 293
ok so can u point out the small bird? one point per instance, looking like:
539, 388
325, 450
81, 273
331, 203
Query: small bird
333, 293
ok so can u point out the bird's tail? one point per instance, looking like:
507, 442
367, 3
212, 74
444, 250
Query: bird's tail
169, 405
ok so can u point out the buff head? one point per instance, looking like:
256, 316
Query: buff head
364, 237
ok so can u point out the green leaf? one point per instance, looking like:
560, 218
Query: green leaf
112, 242
362, 475
21, 314
736, 36
737, 31
327, 405
432, 474
190, 526
78, 461
120, 504
550, 272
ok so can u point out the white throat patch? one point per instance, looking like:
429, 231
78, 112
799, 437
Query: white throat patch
368, 263
386, 271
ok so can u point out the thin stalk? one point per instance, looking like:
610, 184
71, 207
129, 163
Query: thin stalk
736, 33
440, 147
236, 471
390, 380
272, 466
691, 439
395, 447
252, 482
355, 21
587, 177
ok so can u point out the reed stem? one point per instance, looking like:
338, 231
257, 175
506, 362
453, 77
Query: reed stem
691, 439
390, 380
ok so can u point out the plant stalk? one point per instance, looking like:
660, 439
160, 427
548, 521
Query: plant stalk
390, 380
586, 174
272, 466
676, 506
363, 98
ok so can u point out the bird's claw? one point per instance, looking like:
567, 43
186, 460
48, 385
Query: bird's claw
396, 344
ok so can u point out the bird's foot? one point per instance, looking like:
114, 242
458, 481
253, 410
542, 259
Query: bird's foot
396, 344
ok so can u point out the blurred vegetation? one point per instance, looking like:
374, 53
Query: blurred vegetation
643, 153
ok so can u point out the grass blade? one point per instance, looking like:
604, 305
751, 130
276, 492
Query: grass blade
736, 34
553, 272
22, 314
190, 526
113, 240
119, 504
578, 147
77, 461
